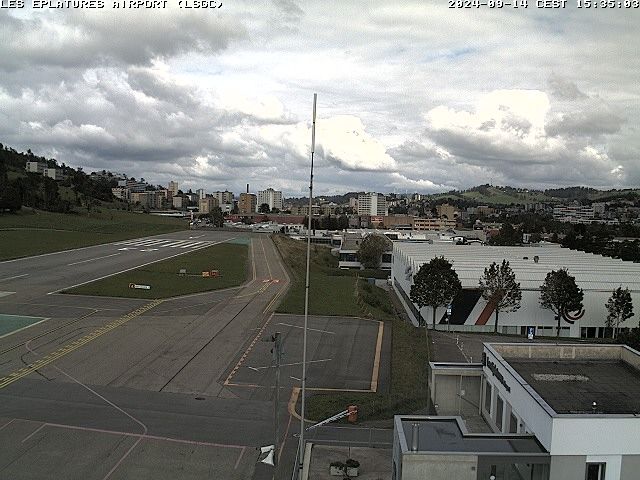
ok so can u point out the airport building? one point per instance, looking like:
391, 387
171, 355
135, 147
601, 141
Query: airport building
553, 412
598, 276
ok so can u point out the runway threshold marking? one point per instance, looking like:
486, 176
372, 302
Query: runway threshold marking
66, 349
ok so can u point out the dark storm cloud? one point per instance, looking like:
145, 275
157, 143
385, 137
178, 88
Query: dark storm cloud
73, 39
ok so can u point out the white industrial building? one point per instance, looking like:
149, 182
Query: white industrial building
598, 276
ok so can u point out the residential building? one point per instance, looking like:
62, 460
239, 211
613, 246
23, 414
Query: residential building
574, 213
372, 204
224, 197
271, 197
36, 167
247, 203
173, 188
447, 211
145, 199
53, 173
207, 204
122, 193
433, 223
200, 193
179, 201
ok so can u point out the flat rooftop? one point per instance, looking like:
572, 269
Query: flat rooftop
571, 386
444, 434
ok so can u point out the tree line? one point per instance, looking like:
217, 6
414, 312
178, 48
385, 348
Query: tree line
436, 284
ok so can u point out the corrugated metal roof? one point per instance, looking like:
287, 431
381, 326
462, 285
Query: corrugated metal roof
592, 272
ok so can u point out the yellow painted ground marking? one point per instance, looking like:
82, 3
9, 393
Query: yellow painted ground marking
376, 359
246, 352
65, 350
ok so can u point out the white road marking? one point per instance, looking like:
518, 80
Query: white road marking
126, 248
290, 364
312, 329
23, 328
15, 276
197, 236
149, 250
92, 259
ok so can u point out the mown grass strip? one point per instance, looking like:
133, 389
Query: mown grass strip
230, 260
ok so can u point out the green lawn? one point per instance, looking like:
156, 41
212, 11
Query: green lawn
28, 233
331, 292
230, 260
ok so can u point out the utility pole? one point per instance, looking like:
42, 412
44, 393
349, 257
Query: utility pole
276, 338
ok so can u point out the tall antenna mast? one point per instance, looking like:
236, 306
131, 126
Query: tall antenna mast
306, 288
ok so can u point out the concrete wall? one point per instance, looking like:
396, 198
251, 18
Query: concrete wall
416, 466
593, 435
555, 352
567, 468
630, 467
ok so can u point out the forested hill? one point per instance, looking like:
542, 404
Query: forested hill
19, 188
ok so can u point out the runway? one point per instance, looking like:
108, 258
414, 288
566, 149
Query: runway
156, 389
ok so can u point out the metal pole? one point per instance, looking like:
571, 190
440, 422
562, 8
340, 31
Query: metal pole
277, 354
306, 289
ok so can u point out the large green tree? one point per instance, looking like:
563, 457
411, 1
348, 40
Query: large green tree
560, 294
435, 285
371, 250
620, 308
500, 289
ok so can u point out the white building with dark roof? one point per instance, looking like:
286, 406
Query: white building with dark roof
598, 276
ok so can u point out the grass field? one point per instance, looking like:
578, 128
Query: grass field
36, 232
163, 277
330, 293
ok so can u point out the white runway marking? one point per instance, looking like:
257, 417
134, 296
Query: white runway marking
92, 259
15, 276
312, 329
290, 364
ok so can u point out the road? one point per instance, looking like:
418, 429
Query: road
182, 388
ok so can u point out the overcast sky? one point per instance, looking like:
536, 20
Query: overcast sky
412, 96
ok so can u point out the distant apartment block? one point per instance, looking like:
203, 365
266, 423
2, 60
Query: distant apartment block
574, 213
372, 204
179, 202
224, 197
447, 211
122, 193
200, 193
36, 167
247, 203
53, 173
271, 197
145, 199
173, 188
433, 223
207, 204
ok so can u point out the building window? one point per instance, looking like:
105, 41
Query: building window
499, 412
595, 471
487, 397
513, 424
